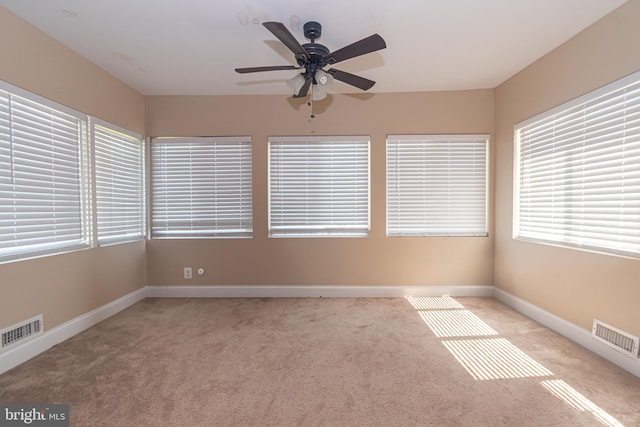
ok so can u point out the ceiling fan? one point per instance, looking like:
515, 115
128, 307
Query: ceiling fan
313, 57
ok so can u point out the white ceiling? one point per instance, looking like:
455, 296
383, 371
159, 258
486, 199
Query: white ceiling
191, 47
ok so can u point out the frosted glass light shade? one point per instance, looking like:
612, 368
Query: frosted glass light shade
322, 85
318, 93
296, 83
324, 79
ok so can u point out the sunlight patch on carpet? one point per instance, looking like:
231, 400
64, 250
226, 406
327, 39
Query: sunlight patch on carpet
434, 303
494, 359
577, 401
456, 323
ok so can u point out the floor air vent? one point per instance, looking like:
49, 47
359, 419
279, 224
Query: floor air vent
614, 337
20, 332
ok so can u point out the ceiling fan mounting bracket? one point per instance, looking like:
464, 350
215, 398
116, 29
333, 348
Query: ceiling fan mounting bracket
312, 30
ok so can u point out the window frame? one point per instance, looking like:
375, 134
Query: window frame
244, 221
359, 228
123, 136
423, 228
83, 171
581, 104
86, 155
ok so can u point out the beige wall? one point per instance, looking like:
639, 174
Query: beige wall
376, 260
572, 284
64, 286
38, 63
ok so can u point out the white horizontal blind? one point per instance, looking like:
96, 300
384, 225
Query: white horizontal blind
43, 178
201, 187
578, 172
119, 184
437, 185
319, 186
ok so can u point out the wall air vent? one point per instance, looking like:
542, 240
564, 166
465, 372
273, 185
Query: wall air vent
614, 337
22, 331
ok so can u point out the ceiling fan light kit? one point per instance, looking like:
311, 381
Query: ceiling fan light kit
313, 57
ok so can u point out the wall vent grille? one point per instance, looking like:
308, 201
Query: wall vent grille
21, 331
614, 337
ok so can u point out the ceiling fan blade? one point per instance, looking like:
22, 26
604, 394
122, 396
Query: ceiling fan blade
305, 89
362, 47
272, 68
280, 31
352, 79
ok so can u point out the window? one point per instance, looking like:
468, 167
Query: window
437, 185
319, 186
44, 200
119, 184
201, 187
578, 172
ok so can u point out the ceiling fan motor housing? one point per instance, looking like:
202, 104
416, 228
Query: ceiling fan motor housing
316, 52
312, 63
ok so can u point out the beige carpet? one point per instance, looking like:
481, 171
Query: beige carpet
333, 362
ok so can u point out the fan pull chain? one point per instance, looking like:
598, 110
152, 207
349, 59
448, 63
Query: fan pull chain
310, 104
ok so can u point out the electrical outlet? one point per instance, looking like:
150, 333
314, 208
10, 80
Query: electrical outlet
188, 273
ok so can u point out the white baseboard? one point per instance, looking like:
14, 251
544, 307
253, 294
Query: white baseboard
315, 291
569, 330
23, 352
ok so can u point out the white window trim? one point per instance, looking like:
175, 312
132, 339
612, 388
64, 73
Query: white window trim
348, 232
204, 233
576, 102
434, 138
86, 240
87, 177
93, 122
